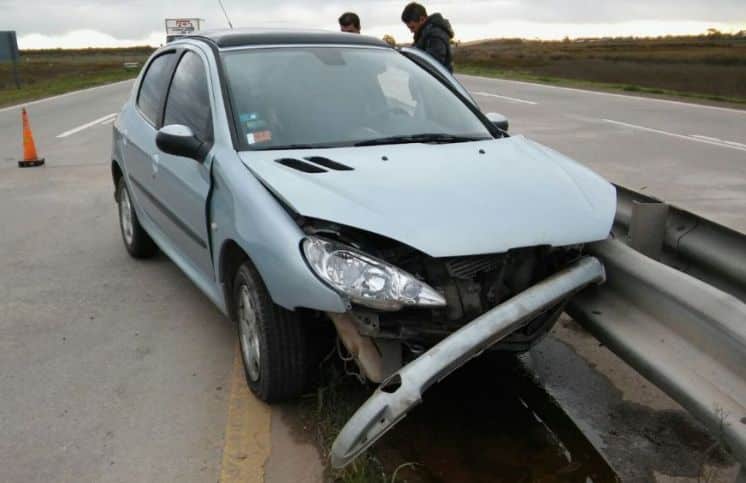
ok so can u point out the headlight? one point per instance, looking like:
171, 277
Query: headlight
367, 280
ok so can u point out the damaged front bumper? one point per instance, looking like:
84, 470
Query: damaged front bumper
402, 391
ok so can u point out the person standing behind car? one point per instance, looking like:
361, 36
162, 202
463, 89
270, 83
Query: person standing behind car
432, 33
349, 22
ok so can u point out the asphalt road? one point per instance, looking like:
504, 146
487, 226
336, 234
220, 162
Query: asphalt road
117, 370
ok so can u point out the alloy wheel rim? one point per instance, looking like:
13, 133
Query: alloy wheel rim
125, 214
248, 326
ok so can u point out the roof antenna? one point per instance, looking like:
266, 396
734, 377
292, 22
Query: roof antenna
226, 14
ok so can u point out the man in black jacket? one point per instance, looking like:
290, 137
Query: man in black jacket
349, 22
432, 33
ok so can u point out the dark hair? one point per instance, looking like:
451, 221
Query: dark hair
413, 12
349, 18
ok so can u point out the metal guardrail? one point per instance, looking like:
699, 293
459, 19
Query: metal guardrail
704, 249
680, 322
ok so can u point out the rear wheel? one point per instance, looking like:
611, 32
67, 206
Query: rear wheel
273, 341
136, 240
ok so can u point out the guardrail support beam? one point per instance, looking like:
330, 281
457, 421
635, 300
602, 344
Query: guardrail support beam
647, 228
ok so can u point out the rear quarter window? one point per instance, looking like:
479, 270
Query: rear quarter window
154, 86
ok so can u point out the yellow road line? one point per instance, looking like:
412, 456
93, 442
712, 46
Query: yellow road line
247, 432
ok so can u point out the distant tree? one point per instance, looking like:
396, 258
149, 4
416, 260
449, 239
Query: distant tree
713, 32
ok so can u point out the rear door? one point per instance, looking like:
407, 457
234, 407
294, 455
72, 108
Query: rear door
183, 184
141, 129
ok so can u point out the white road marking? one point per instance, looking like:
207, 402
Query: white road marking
732, 143
610, 94
100, 120
511, 99
60, 96
701, 139
109, 121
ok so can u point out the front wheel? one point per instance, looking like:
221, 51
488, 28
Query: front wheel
273, 341
136, 240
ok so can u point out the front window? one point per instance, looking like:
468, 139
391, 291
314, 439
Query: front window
293, 97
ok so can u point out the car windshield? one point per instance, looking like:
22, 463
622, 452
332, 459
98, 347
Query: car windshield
304, 97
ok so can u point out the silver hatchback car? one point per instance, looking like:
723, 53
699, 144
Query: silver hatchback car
309, 180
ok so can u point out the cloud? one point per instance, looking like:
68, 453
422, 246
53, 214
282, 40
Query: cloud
80, 39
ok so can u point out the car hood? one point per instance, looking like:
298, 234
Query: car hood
448, 199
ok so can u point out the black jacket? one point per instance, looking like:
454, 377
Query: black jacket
435, 38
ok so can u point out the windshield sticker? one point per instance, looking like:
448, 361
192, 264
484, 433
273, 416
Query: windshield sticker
252, 122
259, 137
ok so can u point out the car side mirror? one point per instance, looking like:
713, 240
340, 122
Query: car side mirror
180, 140
498, 120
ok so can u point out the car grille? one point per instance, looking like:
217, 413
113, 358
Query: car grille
468, 267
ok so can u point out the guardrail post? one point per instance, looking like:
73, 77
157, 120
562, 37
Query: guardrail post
647, 228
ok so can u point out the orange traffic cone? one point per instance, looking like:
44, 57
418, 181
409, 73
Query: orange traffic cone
30, 158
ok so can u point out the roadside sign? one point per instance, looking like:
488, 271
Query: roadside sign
9, 52
178, 27
8, 46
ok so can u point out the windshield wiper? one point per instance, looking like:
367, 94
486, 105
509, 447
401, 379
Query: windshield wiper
420, 138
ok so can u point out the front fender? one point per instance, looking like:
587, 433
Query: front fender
243, 211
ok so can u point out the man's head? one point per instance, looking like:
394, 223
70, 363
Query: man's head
415, 16
349, 22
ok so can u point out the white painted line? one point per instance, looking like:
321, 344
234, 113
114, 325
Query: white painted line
511, 99
109, 121
732, 143
680, 136
60, 96
610, 94
87, 125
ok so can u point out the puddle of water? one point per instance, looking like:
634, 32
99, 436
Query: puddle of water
490, 423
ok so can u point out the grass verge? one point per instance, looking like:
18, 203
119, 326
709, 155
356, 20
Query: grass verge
337, 399
58, 86
598, 86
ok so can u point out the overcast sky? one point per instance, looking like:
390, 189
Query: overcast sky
81, 23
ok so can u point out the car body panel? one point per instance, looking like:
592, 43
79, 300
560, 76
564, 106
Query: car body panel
243, 211
450, 199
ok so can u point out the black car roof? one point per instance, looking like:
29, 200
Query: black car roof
249, 37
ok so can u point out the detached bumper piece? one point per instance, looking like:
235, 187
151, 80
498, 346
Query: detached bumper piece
401, 392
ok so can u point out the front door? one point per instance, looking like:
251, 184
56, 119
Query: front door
182, 184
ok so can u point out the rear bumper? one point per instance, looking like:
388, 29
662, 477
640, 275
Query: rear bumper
403, 390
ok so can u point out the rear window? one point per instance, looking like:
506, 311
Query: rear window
153, 87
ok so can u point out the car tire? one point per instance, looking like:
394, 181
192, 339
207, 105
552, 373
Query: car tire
135, 238
273, 340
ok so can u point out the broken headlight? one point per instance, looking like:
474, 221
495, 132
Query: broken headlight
366, 280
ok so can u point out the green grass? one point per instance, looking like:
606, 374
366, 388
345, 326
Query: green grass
62, 85
601, 86
336, 401
45, 73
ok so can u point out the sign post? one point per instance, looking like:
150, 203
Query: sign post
179, 27
9, 52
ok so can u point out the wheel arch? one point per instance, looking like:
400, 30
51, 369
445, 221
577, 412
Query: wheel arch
116, 175
230, 260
